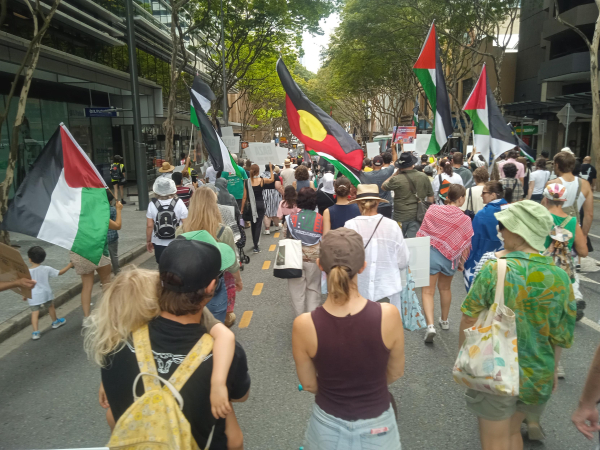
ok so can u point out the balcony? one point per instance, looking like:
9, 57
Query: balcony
573, 67
582, 16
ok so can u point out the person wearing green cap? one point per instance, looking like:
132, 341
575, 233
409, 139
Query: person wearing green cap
541, 296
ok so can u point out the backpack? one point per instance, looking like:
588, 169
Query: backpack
115, 172
559, 249
166, 221
444, 187
155, 420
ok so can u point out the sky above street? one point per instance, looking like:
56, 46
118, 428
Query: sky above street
312, 44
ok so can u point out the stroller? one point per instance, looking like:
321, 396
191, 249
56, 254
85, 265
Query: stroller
240, 244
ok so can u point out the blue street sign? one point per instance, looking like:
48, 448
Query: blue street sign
100, 112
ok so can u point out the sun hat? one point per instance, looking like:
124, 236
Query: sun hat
342, 247
166, 167
287, 162
428, 170
228, 257
556, 192
195, 263
367, 192
164, 186
528, 219
406, 160
568, 150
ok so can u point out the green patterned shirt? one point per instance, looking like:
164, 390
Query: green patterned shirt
541, 296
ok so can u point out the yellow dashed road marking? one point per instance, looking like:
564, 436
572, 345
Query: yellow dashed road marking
276, 235
257, 289
266, 265
246, 317
272, 248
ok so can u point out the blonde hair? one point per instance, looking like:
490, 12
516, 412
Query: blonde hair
129, 302
367, 205
203, 212
339, 284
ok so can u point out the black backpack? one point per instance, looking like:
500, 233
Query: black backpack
115, 171
166, 221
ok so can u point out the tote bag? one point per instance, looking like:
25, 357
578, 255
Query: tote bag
412, 316
288, 262
488, 360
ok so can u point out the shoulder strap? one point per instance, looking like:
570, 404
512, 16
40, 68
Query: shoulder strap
566, 221
470, 203
376, 226
221, 230
173, 202
578, 191
192, 361
156, 203
413, 188
499, 297
145, 359
440, 175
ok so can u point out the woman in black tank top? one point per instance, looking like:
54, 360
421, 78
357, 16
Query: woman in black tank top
356, 347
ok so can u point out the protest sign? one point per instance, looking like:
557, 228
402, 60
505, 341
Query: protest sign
12, 267
232, 143
419, 259
405, 134
226, 131
282, 154
372, 149
262, 153
409, 147
422, 143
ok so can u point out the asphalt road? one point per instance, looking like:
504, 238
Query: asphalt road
48, 394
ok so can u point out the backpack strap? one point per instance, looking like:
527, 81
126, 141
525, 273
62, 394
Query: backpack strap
145, 358
566, 221
192, 361
220, 233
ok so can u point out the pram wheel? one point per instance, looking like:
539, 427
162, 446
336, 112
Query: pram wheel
246, 259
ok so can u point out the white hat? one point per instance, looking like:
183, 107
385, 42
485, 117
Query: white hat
164, 186
568, 150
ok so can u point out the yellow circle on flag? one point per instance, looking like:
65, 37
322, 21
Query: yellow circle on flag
311, 126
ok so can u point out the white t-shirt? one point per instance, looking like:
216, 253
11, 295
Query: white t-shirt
41, 292
473, 198
211, 174
180, 210
540, 178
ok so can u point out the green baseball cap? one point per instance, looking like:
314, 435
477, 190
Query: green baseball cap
228, 257
528, 219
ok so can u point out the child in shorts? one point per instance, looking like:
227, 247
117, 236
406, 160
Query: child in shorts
41, 294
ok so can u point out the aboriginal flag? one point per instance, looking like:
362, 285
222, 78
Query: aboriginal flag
315, 128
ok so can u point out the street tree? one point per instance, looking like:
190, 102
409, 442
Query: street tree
23, 76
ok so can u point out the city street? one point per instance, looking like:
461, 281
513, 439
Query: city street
49, 395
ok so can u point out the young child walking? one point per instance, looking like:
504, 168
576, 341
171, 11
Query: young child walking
41, 294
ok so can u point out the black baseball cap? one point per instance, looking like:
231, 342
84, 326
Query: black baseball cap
378, 160
195, 263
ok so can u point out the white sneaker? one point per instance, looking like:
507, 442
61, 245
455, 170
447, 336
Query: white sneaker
560, 371
444, 324
430, 334
267, 231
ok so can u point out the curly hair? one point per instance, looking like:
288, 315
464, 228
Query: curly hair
481, 175
307, 198
301, 173
510, 170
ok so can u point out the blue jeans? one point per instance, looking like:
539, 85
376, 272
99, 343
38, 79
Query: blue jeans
218, 304
326, 432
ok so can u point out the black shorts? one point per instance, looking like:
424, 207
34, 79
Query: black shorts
118, 183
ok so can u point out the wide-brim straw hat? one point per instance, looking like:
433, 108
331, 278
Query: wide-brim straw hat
166, 167
367, 192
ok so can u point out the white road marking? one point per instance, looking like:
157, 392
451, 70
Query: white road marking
584, 278
593, 235
590, 323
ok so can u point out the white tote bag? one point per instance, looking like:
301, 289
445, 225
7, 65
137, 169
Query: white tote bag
288, 263
488, 360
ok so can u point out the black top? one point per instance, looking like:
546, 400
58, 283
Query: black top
587, 172
171, 342
271, 185
324, 200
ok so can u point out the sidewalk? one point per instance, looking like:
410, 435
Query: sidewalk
132, 241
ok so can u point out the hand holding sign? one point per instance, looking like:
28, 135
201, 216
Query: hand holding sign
14, 273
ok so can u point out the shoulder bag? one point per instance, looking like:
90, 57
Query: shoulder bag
469, 211
288, 262
422, 205
488, 360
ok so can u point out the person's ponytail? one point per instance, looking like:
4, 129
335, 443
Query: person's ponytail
338, 284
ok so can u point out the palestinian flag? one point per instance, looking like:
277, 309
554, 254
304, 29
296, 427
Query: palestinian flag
430, 73
525, 149
62, 200
315, 128
201, 96
341, 167
491, 134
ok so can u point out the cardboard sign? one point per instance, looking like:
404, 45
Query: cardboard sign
422, 143
232, 143
419, 259
373, 149
262, 153
405, 134
226, 131
12, 267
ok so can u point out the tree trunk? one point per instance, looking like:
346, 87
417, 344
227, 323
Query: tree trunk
595, 84
169, 124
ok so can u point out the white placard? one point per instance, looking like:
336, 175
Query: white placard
282, 154
409, 147
372, 149
262, 153
422, 143
469, 149
232, 143
419, 260
226, 131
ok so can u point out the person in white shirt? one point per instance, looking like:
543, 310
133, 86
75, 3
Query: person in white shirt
211, 174
41, 294
474, 200
161, 225
386, 252
445, 172
538, 180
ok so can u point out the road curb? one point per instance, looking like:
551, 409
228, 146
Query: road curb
22, 320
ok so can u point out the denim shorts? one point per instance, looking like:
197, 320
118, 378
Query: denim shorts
46, 305
326, 432
499, 407
438, 263
218, 304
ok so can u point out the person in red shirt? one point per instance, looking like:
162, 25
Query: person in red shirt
183, 192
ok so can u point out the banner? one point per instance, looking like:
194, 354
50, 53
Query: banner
232, 143
405, 134
373, 149
419, 260
422, 143
226, 131
262, 153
